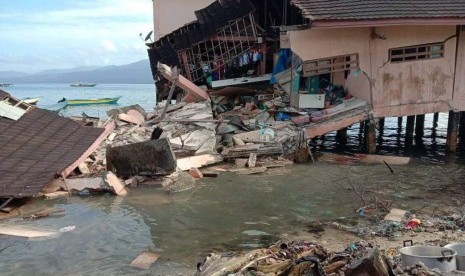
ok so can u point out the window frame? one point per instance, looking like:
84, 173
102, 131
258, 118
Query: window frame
415, 53
330, 65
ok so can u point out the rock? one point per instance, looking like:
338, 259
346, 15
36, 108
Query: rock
182, 181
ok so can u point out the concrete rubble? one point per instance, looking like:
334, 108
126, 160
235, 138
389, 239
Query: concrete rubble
171, 146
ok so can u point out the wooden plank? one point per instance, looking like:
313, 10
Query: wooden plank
145, 260
116, 184
108, 129
185, 164
252, 160
192, 90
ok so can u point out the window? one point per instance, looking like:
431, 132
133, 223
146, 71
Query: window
330, 65
420, 52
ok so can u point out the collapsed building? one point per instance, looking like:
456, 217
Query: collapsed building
402, 58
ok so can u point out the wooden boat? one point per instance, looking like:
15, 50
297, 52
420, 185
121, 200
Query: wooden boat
31, 100
75, 102
56, 108
83, 85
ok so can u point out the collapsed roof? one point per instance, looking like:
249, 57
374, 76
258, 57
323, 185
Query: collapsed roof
37, 147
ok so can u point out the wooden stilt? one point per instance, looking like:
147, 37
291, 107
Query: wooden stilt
420, 126
452, 132
435, 119
409, 130
370, 137
341, 137
462, 126
399, 122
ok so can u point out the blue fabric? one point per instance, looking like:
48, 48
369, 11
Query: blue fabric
284, 59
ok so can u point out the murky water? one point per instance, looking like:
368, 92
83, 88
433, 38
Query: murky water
231, 211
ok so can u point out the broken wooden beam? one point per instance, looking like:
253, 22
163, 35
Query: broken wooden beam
267, 150
192, 90
185, 164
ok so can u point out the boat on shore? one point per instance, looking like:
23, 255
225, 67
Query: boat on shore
83, 85
31, 100
74, 102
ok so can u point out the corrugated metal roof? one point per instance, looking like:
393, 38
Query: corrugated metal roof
9, 111
36, 148
380, 9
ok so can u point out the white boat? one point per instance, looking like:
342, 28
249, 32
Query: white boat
241, 81
31, 100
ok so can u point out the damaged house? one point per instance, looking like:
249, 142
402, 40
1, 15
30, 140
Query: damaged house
38, 146
397, 58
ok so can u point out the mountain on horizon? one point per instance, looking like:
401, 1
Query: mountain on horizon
137, 72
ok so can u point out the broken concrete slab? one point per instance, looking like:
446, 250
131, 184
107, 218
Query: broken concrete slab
145, 260
116, 111
198, 161
208, 147
131, 119
136, 114
182, 181
193, 140
117, 186
80, 184
154, 157
396, 215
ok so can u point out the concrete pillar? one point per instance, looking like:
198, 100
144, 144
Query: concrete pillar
370, 137
341, 137
409, 130
420, 126
452, 132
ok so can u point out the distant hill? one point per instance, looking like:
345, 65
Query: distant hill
137, 72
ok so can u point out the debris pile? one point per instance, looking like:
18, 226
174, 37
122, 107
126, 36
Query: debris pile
299, 258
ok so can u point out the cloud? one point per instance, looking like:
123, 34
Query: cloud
74, 33
108, 46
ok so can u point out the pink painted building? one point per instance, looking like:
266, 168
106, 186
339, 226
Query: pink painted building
403, 57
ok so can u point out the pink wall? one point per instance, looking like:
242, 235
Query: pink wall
397, 89
169, 15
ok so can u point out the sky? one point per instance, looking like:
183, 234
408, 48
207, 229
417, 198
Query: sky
38, 35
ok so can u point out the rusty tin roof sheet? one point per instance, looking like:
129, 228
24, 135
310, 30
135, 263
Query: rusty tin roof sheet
37, 147
379, 9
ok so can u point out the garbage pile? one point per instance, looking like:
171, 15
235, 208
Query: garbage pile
299, 258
